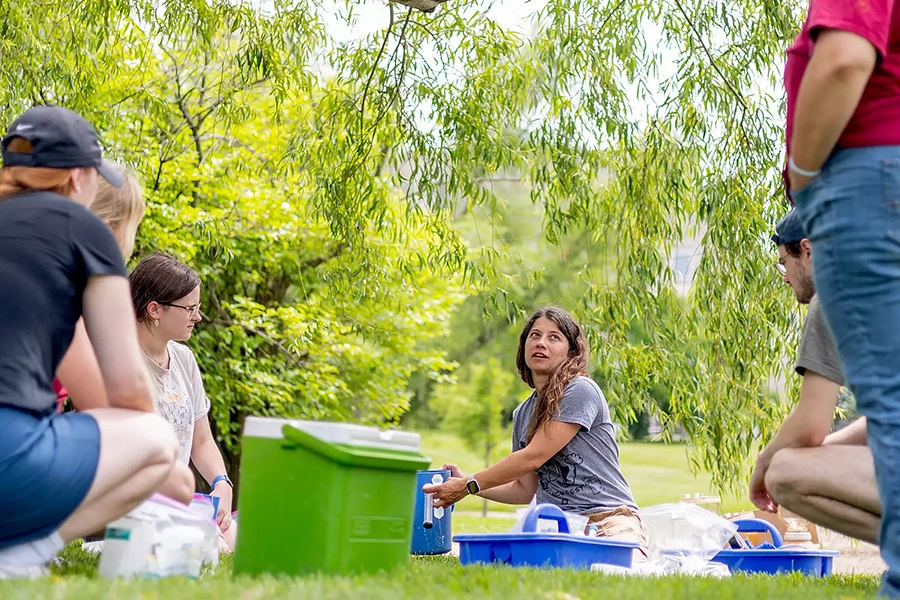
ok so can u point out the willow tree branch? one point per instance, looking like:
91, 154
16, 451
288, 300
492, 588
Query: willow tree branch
387, 35
298, 361
712, 60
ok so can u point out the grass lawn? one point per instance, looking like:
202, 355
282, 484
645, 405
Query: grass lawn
657, 472
438, 578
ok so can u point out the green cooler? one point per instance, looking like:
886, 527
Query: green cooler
325, 497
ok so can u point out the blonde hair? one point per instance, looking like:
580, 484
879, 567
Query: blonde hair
121, 208
17, 180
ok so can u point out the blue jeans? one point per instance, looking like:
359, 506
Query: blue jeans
852, 217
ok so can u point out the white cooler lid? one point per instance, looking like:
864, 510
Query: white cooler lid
335, 433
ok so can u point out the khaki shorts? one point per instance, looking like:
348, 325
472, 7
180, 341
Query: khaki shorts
621, 523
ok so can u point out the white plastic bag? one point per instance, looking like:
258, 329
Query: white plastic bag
684, 538
577, 523
159, 538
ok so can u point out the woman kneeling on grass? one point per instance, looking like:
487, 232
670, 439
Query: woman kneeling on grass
166, 297
563, 439
65, 476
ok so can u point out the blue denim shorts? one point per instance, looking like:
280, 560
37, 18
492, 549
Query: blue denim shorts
47, 465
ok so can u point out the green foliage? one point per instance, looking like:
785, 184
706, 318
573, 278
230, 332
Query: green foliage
530, 273
473, 406
303, 318
316, 183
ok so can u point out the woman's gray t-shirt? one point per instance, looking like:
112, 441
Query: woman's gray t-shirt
584, 477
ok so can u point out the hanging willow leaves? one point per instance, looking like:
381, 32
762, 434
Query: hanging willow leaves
328, 172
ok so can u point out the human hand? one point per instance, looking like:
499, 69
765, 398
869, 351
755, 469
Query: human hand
224, 492
450, 492
454, 470
759, 495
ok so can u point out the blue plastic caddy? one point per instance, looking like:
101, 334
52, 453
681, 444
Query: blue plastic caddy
815, 563
532, 549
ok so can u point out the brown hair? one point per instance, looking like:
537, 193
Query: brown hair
159, 278
17, 180
794, 249
573, 366
121, 208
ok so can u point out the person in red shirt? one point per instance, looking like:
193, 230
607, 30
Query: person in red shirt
843, 173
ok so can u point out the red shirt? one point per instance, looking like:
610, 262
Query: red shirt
876, 121
61, 394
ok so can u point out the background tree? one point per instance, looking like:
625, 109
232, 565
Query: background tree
319, 177
474, 408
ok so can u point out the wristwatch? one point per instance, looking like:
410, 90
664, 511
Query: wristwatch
472, 485
224, 478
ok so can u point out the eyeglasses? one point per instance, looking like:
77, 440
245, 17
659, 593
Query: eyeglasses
781, 268
193, 310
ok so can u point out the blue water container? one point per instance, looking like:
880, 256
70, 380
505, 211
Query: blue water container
432, 532
532, 549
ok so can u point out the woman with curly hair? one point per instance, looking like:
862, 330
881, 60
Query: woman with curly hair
564, 444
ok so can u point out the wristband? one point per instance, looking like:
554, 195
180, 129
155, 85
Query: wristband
224, 478
793, 167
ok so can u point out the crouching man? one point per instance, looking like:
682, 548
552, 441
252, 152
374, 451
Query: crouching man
827, 478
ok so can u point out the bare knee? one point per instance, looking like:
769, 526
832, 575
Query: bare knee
783, 476
180, 484
158, 437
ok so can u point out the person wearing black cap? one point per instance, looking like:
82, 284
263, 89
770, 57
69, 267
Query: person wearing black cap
827, 478
65, 476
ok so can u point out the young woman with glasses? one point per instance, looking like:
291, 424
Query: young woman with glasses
166, 297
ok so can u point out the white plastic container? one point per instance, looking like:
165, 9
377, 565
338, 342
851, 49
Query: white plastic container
159, 538
798, 540
128, 543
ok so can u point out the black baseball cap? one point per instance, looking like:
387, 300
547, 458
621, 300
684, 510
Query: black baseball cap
61, 139
789, 229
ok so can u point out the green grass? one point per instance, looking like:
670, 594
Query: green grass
437, 578
657, 472
469, 523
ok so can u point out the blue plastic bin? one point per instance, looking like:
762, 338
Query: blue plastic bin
531, 549
815, 563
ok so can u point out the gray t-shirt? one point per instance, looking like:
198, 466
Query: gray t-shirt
817, 351
584, 477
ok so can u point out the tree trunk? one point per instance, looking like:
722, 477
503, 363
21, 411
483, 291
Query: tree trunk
487, 463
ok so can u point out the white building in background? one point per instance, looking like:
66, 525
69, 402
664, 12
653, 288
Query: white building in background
685, 260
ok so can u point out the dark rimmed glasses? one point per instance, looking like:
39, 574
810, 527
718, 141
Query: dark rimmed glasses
193, 311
